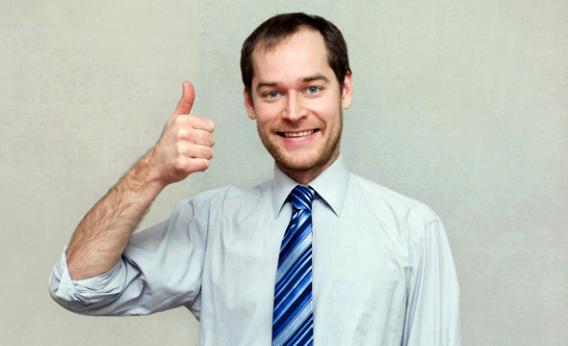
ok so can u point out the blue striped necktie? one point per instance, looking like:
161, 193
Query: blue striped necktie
293, 319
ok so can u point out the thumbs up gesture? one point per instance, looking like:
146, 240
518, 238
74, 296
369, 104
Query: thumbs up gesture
185, 145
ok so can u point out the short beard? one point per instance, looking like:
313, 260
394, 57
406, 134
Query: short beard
320, 162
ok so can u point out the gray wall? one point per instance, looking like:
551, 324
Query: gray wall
461, 104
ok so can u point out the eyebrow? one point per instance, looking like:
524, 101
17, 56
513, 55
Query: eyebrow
316, 77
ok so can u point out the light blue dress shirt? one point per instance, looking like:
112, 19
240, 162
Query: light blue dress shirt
383, 272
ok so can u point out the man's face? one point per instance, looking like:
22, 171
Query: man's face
297, 104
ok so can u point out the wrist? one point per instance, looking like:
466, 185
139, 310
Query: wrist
143, 176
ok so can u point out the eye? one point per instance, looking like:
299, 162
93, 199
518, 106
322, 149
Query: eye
313, 90
271, 94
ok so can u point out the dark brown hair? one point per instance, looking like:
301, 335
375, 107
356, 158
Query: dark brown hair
275, 29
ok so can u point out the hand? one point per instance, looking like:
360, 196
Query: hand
185, 145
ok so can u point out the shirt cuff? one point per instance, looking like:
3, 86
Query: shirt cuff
80, 295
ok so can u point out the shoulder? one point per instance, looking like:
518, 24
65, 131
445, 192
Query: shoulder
226, 197
392, 207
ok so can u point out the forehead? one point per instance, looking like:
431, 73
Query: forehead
300, 55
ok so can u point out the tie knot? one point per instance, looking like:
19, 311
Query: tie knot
302, 197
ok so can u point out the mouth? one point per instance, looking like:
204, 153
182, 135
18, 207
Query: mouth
297, 134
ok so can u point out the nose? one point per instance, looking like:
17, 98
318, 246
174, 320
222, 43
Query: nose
294, 109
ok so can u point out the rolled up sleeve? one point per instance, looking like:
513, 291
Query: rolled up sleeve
83, 295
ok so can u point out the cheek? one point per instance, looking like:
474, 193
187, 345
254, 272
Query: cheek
267, 113
263, 123
327, 110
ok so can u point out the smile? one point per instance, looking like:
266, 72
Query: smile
297, 134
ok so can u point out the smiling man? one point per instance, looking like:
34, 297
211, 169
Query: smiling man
298, 103
317, 255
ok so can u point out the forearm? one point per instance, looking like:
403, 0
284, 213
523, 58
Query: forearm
184, 147
103, 233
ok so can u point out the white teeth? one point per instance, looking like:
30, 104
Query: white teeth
298, 134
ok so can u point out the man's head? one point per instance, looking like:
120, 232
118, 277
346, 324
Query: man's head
297, 83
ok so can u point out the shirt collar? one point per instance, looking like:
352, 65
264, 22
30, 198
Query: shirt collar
331, 186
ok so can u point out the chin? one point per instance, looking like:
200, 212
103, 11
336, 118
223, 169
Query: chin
303, 162
298, 163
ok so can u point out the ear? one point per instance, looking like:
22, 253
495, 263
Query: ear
249, 104
347, 91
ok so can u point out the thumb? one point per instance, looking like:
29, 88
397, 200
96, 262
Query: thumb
186, 101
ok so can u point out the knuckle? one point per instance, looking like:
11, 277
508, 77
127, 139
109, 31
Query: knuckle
194, 120
182, 133
204, 165
180, 148
181, 120
180, 164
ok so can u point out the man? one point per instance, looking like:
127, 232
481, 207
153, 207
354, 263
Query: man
316, 255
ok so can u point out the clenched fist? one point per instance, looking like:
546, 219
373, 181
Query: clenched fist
185, 145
